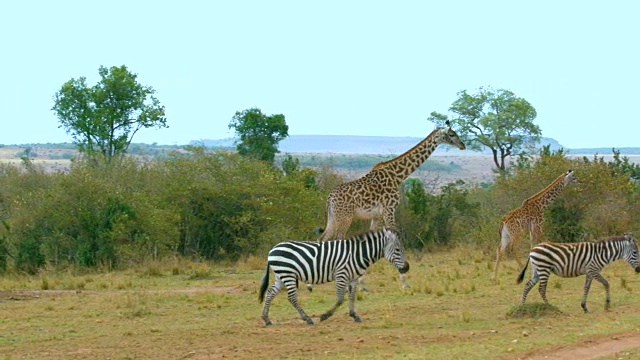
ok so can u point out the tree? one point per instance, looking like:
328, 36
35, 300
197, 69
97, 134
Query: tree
496, 119
259, 134
104, 118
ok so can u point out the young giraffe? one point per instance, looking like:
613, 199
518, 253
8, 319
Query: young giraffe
529, 217
376, 195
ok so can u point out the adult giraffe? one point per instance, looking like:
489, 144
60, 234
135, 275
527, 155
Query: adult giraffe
529, 217
376, 195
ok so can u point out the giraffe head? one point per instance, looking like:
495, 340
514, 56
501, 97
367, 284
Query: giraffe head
570, 178
448, 136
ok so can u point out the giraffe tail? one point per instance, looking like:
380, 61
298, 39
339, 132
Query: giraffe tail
521, 276
264, 284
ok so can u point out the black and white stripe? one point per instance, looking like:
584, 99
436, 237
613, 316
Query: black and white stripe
319, 262
575, 259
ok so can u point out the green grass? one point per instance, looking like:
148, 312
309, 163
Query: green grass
454, 309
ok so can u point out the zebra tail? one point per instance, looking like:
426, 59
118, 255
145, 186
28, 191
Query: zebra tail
521, 276
264, 284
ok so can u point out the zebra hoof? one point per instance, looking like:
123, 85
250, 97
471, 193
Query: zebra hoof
310, 288
268, 323
356, 318
310, 322
324, 317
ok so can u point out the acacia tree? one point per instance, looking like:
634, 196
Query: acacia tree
496, 119
259, 134
104, 118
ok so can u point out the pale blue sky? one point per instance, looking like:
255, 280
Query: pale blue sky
331, 67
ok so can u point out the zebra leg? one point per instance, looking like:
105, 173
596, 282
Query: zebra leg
292, 291
605, 283
361, 283
527, 288
341, 284
352, 301
542, 288
271, 293
587, 285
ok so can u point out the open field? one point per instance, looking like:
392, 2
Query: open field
186, 310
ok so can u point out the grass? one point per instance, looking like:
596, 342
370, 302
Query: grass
194, 310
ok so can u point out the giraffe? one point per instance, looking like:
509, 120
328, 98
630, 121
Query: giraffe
529, 217
376, 195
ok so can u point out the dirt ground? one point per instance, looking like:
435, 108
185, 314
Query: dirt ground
613, 346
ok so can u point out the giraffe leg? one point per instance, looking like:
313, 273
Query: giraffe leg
352, 301
363, 287
495, 270
505, 241
341, 285
405, 283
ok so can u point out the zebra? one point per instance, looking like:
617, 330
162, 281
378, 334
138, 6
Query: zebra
319, 262
575, 259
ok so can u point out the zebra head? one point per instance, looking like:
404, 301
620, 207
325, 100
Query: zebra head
630, 251
394, 251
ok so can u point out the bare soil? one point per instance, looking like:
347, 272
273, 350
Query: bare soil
616, 346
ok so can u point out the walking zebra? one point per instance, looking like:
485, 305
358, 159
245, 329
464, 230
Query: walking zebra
320, 262
575, 259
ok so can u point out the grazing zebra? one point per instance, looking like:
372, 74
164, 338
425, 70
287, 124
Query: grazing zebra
575, 259
320, 262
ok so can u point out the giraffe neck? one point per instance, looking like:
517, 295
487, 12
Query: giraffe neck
405, 164
550, 193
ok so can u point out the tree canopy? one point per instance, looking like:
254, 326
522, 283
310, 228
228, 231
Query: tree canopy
103, 119
258, 133
496, 119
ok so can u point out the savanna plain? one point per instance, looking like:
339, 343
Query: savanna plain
182, 309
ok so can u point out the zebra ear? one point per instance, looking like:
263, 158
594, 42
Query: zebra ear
448, 123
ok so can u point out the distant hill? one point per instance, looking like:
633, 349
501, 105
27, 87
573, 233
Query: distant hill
352, 144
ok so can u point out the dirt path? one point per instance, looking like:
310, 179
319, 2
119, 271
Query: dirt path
618, 345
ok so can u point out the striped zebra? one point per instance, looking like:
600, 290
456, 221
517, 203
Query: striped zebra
320, 262
575, 259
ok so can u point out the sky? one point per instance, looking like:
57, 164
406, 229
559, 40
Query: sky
374, 68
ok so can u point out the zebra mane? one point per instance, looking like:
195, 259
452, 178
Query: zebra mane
617, 238
363, 236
